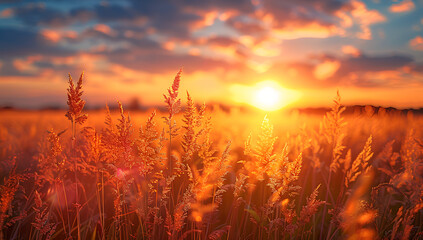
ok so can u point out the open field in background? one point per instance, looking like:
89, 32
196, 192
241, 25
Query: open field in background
202, 174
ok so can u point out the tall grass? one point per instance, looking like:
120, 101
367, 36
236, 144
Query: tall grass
182, 177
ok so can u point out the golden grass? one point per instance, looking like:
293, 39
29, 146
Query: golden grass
204, 174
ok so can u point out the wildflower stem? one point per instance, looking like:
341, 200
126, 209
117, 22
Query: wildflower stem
325, 205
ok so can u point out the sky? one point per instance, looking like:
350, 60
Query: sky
371, 51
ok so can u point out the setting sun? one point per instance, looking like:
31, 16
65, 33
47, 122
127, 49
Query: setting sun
266, 95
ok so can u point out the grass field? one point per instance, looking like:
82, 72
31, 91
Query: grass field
196, 173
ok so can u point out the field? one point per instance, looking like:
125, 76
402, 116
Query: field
196, 172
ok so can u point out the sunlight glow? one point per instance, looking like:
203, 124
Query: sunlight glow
266, 95
267, 98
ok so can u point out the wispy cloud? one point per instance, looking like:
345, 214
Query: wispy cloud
417, 43
404, 6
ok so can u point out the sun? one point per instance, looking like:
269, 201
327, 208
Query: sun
266, 95
267, 98
270, 96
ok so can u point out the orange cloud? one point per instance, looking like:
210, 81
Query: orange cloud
387, 78
84, 61
351, 50
346, 20
194, 52
267, 48
259, 66
6, 13
326, 69
51, 35
314, 30
24, 65
209, 18
103, 28
227, 52
124, 72
226, 15
365, 18
57, 35
247, 40
63, 60
417, 43
404, 6
70, 34
355, 14
169, 45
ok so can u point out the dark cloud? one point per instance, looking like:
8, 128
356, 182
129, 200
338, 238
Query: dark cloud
10, 1
179, 18
352, 70
222, 41
244, 6
247, 27
114, 12
161, 61
174, 18
81, 14
19, 43
302, 12
39, 14
417, 67
374, 63
168, 17
304, 8
8, 69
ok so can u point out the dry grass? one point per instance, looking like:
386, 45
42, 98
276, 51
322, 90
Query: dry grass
204, 174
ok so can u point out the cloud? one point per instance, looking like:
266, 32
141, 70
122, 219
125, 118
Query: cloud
17, 43
105, 29
25, 66
351, 50
168, 17
366, 63
34, 14
301, 19
246, 26
312, 30
360, 71
51, 35
365, 18
326, 69
165, 62
308, 19
404, 6
179, 20
222, 41
6, 13
417, 43
112, 12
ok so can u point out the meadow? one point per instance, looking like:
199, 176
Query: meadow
197, 172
